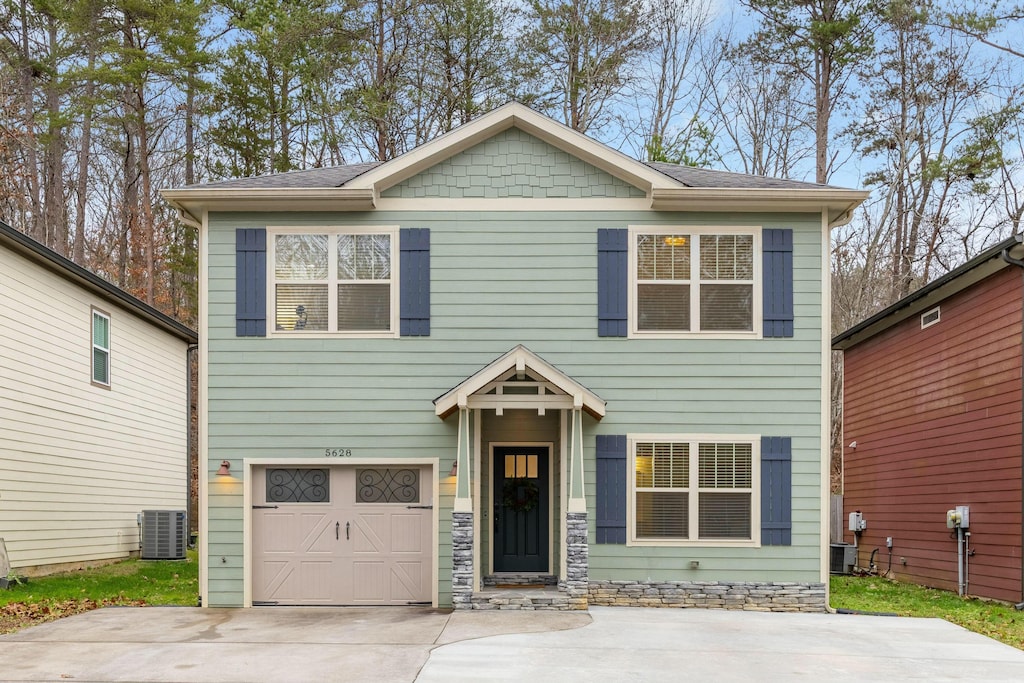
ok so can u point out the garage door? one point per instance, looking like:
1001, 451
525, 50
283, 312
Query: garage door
342, 535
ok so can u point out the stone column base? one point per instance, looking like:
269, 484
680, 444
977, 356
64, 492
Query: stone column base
462, 560
575, 583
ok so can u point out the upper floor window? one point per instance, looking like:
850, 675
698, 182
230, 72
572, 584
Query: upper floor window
333, 281
694, 281
100, 348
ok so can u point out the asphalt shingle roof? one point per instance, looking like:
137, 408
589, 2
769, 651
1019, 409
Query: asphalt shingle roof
707, 178
339, 176
335, 176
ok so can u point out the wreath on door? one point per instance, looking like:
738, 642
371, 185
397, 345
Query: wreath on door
520, 494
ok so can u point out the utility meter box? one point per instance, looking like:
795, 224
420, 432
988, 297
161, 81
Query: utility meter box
958, 517
857, 522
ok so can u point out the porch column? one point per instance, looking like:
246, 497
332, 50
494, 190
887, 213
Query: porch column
462, 516
577, 550
463, 495
577, 498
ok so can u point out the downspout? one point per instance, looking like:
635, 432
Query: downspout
189, 445
1019, 239
186, 219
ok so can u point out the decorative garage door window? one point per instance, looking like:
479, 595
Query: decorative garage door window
387, 486
298, 485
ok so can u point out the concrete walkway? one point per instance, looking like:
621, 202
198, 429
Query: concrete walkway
430, 646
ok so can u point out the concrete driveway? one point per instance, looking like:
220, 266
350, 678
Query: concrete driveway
427, 646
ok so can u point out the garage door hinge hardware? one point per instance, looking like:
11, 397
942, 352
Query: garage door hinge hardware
264, 507
419, 507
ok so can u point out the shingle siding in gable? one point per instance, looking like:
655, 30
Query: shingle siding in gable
513, 164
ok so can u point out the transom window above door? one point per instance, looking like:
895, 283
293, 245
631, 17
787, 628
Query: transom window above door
694, 281
334, 281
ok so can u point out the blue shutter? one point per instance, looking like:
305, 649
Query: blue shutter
776, 490
414, 281
612, 281
777, 278
251, 282
611, 488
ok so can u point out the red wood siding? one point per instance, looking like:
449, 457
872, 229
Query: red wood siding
936, 414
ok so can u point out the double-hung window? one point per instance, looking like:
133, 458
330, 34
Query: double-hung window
100, 348
695, 281
694, 489
335, 281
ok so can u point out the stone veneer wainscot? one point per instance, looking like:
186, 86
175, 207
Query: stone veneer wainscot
777, 596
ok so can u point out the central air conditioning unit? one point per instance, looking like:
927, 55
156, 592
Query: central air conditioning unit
164, 534
842, 558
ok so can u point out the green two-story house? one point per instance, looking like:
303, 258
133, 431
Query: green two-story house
514, 368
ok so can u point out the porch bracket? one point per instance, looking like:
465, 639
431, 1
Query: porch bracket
577, 498
463, 498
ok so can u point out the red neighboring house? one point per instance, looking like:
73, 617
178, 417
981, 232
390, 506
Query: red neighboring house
933, 420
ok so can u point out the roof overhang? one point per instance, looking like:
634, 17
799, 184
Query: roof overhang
196, 200
987, 263
89, 281
839, 203
522, 361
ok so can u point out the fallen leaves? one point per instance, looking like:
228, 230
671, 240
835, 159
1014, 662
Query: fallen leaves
18, 615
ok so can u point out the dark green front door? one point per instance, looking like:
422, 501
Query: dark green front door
521, 509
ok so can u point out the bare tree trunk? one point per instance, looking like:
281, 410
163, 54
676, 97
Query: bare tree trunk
190, 134
53, 190
822, 116
35, 228
82, 185
146, 198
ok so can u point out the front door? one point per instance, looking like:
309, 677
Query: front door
521, 509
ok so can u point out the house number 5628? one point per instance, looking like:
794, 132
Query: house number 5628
337, 452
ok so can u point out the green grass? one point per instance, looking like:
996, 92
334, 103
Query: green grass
874, 594
132, 582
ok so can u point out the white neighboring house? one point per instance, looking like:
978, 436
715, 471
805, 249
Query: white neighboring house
93, 411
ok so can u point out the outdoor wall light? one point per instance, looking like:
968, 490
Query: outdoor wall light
455, 469
225, 469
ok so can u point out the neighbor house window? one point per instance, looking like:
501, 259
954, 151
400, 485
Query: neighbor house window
100, 348
334, 281
693, 489
688, 280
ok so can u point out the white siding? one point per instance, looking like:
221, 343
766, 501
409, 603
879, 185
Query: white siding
78, 462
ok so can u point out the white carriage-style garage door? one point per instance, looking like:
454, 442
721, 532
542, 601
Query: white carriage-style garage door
354, 535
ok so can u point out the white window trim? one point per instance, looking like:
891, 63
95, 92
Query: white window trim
758, 312
938, 317
272, 231
755, 493
93, 346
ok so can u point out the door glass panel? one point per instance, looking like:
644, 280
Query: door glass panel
387, 485
298, 485
521, 466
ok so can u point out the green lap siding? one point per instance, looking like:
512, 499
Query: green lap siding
499, 279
